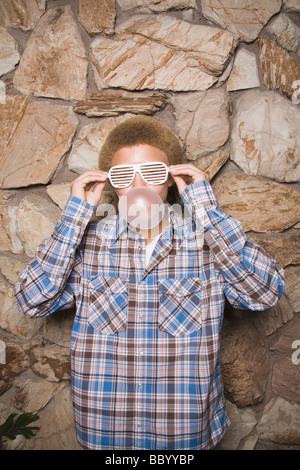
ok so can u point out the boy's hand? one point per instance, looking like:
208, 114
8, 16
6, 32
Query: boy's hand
189, 170
81, 186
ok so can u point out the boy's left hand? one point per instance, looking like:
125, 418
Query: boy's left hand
187, 169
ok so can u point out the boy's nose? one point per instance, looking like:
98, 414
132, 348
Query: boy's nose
138, 180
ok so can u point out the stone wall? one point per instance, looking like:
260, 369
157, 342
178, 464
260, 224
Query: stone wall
226, 79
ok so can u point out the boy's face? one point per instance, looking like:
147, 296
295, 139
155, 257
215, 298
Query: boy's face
142, 153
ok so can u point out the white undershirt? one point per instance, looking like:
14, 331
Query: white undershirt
149, 249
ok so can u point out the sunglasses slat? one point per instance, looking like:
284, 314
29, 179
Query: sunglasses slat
155, 173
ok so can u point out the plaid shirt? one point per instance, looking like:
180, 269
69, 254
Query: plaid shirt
145, 350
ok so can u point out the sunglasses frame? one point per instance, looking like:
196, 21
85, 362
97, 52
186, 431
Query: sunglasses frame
137, 169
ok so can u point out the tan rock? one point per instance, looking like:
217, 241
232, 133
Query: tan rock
286, 380
16, 363
292, 5
285, 343
51, 362
22, 14
292, 286
284, 247
245, 18
211, 47
86, 148
272, 319
97, 17
202, 121
10, 228
57, 430
9, 54
224, 76
12, 266
33, 394
155, 5
2, 92
36, 218
280, 71
242, 424
249, 442
286, 32
151, 52
244, 73
259, 204
58, 330
59, 193
54, 62
6, 241
85, 154
36, 135
212, 162
280, 422
244, 367
138, 63
265, 138
113, 103
11, 114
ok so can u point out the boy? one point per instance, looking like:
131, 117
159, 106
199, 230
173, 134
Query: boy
145, 352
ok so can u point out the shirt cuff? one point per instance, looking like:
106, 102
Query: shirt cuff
199, 193
77, 211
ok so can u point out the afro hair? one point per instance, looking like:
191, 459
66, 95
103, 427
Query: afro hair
140, 130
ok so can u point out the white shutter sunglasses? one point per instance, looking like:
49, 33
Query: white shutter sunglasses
122, 176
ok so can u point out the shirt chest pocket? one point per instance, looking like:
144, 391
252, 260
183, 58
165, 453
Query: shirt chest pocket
108, 304
181, 309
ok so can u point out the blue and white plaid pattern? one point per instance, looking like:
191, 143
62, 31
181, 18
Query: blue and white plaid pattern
145, 351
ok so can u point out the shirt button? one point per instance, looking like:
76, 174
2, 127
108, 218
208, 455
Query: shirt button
142, 283
141, 353
140, 386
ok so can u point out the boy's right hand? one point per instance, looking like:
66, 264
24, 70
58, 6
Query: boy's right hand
81, 186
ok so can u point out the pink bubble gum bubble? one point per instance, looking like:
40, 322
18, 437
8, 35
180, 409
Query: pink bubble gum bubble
141, 207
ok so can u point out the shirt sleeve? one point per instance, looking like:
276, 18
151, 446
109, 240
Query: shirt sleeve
49, 281
251, 278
